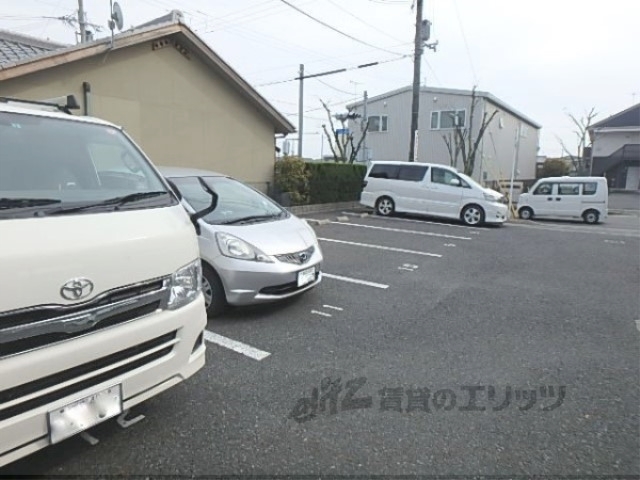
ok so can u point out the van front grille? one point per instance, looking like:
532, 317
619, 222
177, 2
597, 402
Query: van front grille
28, 329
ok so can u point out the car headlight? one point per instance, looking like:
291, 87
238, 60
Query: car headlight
233, 247
185, 285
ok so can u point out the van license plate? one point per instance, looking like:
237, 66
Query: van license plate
83, 414
306, 276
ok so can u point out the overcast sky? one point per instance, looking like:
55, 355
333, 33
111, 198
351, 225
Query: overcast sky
544, 57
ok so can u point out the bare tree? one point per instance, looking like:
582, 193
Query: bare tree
461, 144
343, 146
582, 124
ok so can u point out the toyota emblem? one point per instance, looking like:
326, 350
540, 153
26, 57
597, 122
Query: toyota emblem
77, 289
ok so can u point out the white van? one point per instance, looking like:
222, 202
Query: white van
430, 189
568, 197
101, 305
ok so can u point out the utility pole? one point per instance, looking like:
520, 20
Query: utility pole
81, 21
300, 110
417, 60
365, 119
423, 32
515, 163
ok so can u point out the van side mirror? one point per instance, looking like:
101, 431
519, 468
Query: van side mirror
455, 182
174, 189
203, 213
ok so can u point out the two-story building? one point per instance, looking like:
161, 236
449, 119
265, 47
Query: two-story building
616, 149
389, 117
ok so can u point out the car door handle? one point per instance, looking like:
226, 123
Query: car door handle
549, 199
558, 199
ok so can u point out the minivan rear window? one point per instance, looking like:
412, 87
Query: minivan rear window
590, 188
384, 171
412, 173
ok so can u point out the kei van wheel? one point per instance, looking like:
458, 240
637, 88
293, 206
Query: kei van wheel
385, 206
472, 215
591, 217
213, 291
525, 213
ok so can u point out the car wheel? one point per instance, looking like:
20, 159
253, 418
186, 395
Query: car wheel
590, 217
472, 215
385, 206
213, 291
525, 213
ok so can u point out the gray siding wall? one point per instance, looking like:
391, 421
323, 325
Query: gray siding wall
495, 156
605, 143
498, 146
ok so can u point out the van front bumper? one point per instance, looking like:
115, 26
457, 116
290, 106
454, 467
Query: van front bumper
496, 213
153, 354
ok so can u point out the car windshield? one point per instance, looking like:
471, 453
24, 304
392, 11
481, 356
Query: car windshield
58, 166
237, 202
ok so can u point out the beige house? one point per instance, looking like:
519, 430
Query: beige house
176, 97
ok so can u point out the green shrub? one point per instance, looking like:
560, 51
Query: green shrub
335, 182
291, 176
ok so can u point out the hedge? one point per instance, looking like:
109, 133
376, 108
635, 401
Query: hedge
335, 182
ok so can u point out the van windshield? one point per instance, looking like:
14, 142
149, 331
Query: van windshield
53, 166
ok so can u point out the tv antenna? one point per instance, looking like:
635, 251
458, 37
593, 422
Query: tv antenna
116, 20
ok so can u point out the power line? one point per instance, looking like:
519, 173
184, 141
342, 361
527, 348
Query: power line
363, 22
466, 44
341, 70
335, 29
331, 86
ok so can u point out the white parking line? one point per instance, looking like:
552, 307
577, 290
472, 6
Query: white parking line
316, 312
381, 247
612, 232
638, 324
617, 242
407, 269
356, 280
236, 346
333, 308
396, 219
401, 230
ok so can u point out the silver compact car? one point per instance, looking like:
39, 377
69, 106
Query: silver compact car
253, 250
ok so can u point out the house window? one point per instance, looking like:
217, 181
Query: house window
378, 123
447, 119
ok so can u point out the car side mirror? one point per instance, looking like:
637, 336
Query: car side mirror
204, 212
455, 182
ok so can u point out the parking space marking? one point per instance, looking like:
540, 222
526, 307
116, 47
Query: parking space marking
401, 230
381, 247
616, 242
331, 307
612, 232
236, 346
356, 281
316, 312
638, 324
449, 244
407, 269
396, 219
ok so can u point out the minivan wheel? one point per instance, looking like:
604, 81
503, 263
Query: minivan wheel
525, 213
590, 217
472, 215
213, 291
385, 206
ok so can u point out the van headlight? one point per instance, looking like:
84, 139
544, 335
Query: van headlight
185, 285
234, 247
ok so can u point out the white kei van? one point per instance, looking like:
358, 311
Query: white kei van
101, 304
568, 197
430, 189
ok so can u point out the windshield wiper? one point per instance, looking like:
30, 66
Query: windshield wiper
252, 218
117, 202
7, 203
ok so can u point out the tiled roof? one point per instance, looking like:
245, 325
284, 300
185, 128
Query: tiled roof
15, 47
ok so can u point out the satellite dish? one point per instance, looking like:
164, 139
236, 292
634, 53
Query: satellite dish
116, 16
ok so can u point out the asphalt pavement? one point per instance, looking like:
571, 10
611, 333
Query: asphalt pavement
430, 348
